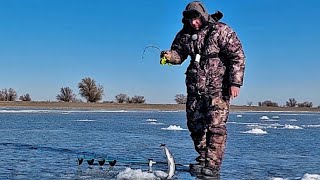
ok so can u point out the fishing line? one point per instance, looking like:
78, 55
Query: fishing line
163, 59
150, 46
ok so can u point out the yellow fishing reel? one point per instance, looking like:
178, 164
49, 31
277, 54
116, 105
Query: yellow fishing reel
163, 61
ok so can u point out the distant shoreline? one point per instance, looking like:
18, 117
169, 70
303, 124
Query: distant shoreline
142, 107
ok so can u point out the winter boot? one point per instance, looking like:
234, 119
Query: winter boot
196, 168
210, 172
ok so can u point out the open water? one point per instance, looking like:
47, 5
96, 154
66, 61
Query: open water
45, 144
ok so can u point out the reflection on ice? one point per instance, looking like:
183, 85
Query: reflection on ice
311, 177
85, 120
155, 123
256, 131
264, 117
277, 178
151, 120
129, 174
312, 126
288, 126
174, 128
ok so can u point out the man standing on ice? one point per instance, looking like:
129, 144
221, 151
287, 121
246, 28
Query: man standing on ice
214, 76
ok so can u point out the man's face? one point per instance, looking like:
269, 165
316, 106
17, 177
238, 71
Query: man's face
195, 23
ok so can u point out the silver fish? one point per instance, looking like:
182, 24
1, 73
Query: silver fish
170, 160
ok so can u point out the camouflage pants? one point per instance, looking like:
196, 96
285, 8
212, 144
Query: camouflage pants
206, 120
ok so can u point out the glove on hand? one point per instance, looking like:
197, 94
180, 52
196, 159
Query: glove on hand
165, 56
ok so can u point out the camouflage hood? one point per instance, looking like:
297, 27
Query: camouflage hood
196, 9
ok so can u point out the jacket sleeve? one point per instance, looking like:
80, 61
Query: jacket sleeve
179, 54
232, 50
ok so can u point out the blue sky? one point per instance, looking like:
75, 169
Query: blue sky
46, 45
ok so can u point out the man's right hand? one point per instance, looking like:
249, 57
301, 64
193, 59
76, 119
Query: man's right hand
165, 54
234, 92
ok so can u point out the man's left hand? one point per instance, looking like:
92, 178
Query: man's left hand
234, 91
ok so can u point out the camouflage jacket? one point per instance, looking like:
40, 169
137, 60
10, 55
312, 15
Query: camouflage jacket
222, 61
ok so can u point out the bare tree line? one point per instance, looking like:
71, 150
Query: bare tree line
11, 95
88, 89
123, 98
93, 92
292, 102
